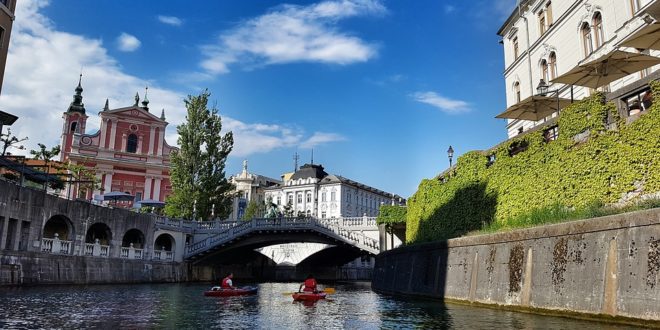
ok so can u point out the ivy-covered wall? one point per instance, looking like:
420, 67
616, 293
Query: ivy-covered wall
390, 214
587, 163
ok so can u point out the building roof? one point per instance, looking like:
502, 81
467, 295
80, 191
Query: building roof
512, 17
7, 118
309, 171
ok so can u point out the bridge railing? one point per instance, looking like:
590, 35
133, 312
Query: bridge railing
328, 226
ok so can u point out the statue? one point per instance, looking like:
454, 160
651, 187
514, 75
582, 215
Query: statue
271, 210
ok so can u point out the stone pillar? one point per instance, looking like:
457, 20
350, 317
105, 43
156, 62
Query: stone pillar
611, 284
527, 280
152, 133
104, 133
160, 137
147, 187
124, 138
17, 235
139, 146
3, 236
107, 185
157, 189
473, 277
113, 134
97, 191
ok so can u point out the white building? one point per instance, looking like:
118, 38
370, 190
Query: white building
544, 39
312, 191
249, 187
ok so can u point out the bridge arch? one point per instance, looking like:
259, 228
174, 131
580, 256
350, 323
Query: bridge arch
165, 242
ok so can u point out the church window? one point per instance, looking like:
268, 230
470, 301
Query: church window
74, 125
131, 145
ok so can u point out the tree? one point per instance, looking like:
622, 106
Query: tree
83, 177
7, 140
199, 186
44, 154
288, 210
253, 210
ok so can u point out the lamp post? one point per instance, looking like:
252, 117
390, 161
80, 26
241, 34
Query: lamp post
450, 154
542, 90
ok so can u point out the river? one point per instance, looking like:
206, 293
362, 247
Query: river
182, 306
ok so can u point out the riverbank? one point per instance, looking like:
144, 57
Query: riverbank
606, 267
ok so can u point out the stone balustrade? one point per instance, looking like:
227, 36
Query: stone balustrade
56, 245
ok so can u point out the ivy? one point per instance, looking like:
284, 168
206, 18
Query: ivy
587, 165
389, 214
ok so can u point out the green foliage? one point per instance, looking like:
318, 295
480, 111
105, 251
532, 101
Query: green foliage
544, 182
253, 210
198, 169
390, 214
44, 154
288, 210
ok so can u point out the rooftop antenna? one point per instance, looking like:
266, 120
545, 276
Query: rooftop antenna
295, 161
312, 156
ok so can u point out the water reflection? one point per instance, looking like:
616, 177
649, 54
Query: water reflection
354, 306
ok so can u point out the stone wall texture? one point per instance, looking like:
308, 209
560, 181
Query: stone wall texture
602, 266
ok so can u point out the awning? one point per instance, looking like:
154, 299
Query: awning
607, 69
646, 38
535, 108
28, 171
654, 10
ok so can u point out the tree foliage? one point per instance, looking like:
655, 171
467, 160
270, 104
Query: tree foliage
253, 210
44, 154
200, 188
587, 164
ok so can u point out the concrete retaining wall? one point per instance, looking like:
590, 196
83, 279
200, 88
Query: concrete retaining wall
31, 268
602, 266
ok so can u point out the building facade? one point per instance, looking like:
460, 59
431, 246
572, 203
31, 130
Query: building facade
249, 187
544, 39
313, 192
7, 9
128, 154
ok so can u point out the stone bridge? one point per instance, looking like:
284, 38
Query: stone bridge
358, 233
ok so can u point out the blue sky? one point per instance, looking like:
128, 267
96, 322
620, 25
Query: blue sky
378, 89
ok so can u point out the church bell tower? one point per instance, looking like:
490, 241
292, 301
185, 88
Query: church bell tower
75, 120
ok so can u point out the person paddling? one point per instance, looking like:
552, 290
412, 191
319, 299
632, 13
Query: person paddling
226, 282
309, 285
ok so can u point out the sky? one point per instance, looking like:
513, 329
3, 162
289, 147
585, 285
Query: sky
377, 89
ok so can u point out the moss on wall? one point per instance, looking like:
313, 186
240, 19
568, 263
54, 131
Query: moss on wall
586, 164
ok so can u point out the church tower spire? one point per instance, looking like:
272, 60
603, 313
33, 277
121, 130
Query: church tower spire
77, 105
145, 102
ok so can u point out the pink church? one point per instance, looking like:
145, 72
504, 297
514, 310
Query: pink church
129, 152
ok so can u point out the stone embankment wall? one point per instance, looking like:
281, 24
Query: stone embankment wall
607, 266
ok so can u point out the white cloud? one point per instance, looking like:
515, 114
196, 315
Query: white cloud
445, 104
170, 20
294, 34
321, 138
42, 72
127, 42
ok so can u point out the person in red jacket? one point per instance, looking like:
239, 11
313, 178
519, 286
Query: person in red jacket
226, 282
309, 285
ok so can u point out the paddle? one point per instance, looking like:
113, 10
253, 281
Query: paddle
326, 290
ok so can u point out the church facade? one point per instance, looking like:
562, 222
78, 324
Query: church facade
128, 153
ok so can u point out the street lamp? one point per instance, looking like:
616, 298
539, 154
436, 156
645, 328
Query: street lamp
542, 88
450, 154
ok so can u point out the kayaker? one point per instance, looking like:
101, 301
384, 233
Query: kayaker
226, 282
309, 285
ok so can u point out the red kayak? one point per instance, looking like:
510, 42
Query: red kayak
308, 296
217, 291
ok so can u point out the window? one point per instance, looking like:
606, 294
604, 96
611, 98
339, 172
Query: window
323, 197
586, 39
639, 102
309, 198
138, 196
515, 48
552, 63
544, 71
598, 29
542, 26
323, 215
517, 147
74, 125
279, 200
490, 160
516, 91
131, 144
333, 196
634, 6
289, 199
551, 133
548, 13
299, 198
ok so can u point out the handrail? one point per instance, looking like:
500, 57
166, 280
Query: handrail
342, 228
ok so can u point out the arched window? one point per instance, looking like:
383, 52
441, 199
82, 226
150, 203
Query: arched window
552, 63
516, 91
544, 71
598, 29
74, 125
586, 39
131, 144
